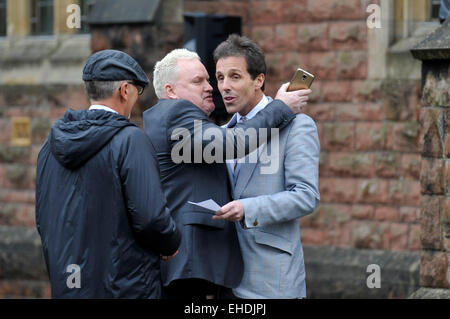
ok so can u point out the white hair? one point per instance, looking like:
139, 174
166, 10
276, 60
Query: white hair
166, 70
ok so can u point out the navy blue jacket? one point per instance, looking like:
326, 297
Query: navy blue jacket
100, 206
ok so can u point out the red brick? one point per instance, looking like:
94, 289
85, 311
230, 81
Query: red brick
265, 12
312, 37
294, 11
264, 36
348, 35
274, 71
5, 130
409, 214
338, 190
320, 111
17, 215
292, 60
312, 237
352, 65
432, 176
387, 213
314, 220
351, 164
367, 90
4, 181
323, 64
21, 289
399, 236
364, 112
338, 136
411, 165
284, 37
316, 94
434, 269
340, 236
73, 97
405, 192
368, 234
324, 165
387, 164
372, 191
372, 136
406, 137
363, 211
336, 91
17, 196
35, 149
414, 238
335, 9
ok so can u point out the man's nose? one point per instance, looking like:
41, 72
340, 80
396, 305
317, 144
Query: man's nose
208, 87
225, 85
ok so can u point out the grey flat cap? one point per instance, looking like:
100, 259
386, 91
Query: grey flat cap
113, 65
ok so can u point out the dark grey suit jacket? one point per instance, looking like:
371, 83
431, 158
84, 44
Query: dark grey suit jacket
209, 248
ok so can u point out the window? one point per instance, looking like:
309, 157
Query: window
404, 24
41, 17
85, 6
2, 18
435, 6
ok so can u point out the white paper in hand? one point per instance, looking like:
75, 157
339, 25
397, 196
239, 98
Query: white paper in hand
208, 204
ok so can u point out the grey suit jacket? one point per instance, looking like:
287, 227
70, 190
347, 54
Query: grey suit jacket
269, 235
209, 248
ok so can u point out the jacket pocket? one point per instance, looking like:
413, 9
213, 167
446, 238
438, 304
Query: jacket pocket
200, 218
274, 241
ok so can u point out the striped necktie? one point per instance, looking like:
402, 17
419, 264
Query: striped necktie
236, 169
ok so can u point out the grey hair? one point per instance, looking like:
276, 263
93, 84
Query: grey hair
100, 90
166, 70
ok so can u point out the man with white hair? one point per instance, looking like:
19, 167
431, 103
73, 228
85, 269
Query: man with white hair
209, 260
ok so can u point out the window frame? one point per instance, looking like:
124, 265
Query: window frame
35, 24
4, 8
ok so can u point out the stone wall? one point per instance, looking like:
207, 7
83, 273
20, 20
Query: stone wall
434, 52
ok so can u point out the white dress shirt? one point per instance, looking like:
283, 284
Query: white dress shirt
102, 107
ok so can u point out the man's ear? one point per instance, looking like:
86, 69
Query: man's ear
259, 81
170, 91
124, 90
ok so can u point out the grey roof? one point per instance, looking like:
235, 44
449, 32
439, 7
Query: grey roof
123, 11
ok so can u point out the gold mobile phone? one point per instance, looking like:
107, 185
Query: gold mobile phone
301, 80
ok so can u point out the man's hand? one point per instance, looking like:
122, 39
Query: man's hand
233, 211
168, 258
295, 99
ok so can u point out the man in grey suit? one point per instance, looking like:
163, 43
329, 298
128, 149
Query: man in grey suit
209, 258
268, 200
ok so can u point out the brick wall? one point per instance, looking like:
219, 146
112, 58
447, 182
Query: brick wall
22, 269
369, 130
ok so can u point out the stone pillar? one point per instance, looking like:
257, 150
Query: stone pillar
434, 52
18, 17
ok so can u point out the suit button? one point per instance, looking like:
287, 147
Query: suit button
255, 223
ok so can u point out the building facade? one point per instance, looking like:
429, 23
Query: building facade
366, 102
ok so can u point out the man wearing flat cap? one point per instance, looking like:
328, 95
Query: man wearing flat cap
100, 209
